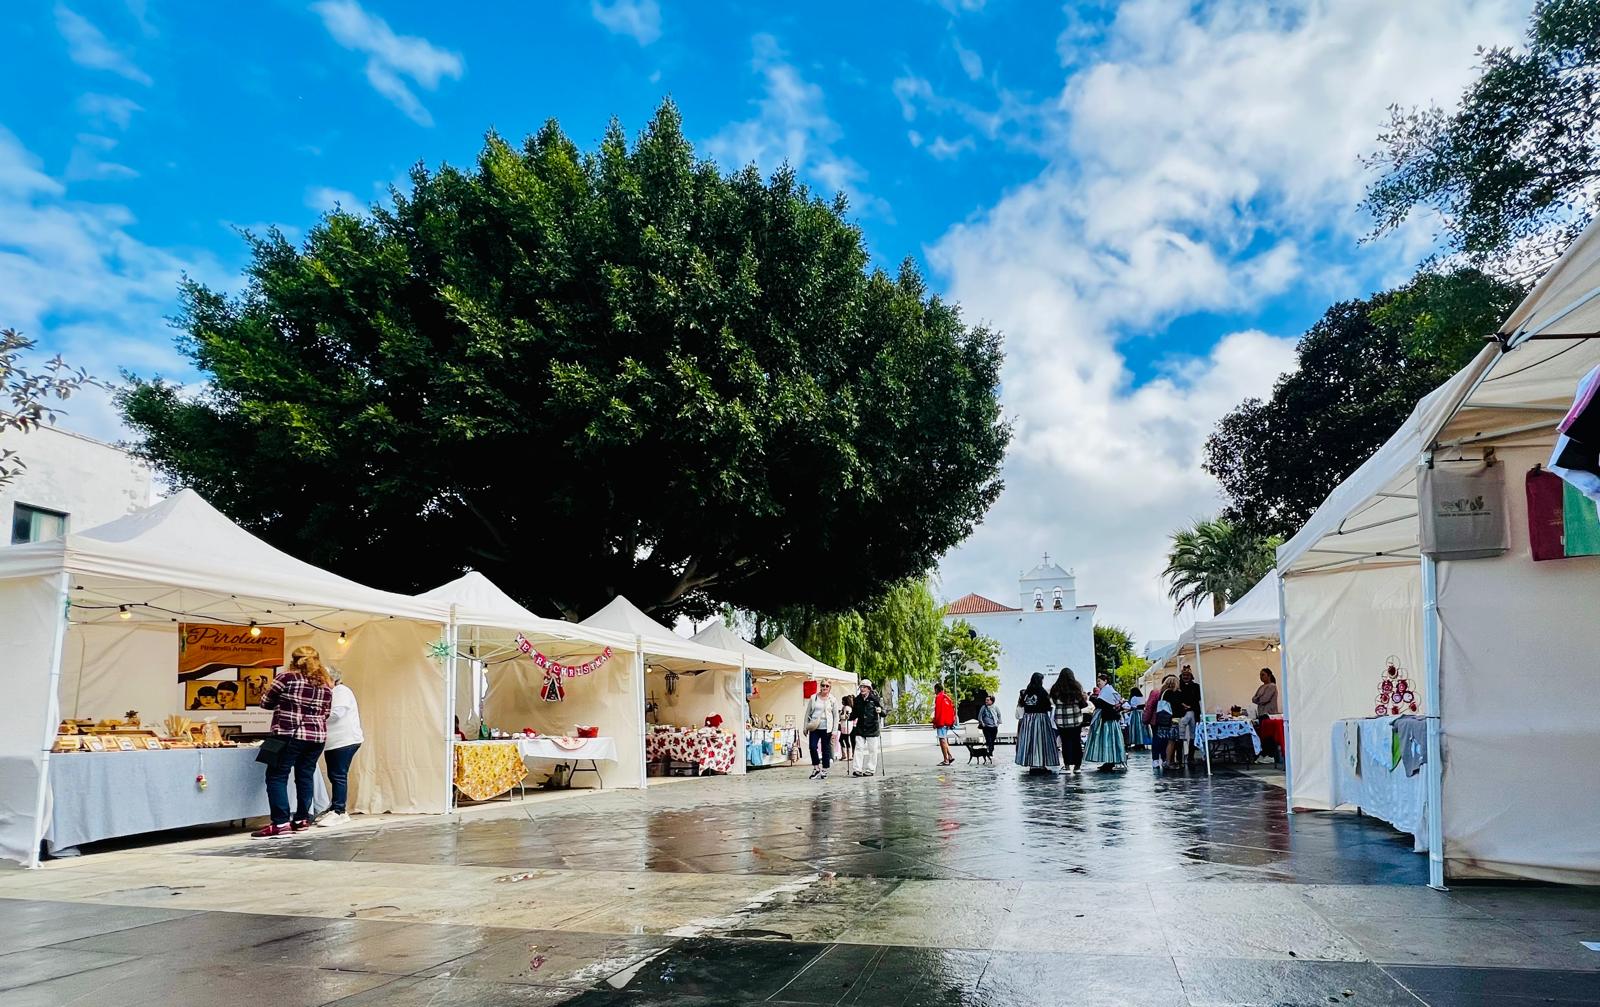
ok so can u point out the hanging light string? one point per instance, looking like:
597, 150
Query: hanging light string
125, 612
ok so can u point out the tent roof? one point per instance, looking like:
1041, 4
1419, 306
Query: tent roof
1253, 617
785, 648
666, 648
721, 637
1513, 392
209, 566
479, 603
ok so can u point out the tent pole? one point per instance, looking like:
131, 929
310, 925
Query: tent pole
51, 711
1200, 714
644, 698
744, 709
451, 677
1430, 703
1283, 694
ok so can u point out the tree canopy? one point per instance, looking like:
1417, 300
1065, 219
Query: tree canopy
1362, 368
589, 373
1113, 645
1514, 169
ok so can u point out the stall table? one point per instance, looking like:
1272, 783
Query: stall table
590, 750
1375, 782
708, 750
1210, 733
104, 795
487, 769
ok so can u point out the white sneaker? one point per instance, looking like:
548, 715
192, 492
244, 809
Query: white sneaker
331, 819
815, 772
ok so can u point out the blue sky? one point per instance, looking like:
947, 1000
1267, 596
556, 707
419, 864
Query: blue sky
1150, 199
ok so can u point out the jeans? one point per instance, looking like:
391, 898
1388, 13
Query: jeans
867, 751
821, 741
338, 761
1071, 746
300, 758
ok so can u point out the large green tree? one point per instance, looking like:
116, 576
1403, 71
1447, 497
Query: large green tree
1217, 559
1514, 169
968, 660
1113, 645
1361, 369
590, 373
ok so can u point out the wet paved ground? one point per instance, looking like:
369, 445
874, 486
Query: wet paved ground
950, 887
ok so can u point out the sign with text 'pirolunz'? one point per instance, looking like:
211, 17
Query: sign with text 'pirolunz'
204, 648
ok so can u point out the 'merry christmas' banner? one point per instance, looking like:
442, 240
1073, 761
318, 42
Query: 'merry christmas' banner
553, 666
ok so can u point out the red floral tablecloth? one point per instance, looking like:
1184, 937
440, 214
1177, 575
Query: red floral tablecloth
710, 750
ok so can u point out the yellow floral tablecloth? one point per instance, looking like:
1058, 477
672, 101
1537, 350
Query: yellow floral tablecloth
486, 769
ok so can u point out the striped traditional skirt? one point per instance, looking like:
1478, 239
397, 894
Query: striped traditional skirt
1138, 732
1036, 742
1105, 741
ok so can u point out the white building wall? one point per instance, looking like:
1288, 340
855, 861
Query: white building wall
89, 481
1037, 641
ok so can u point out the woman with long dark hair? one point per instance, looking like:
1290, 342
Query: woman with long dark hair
1036, 735
1066, 696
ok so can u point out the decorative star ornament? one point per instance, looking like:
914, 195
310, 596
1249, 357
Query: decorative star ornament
440, 650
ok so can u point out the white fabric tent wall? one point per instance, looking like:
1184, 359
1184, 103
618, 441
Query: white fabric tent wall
1520, 653
31, 620
1342, 627
783, 696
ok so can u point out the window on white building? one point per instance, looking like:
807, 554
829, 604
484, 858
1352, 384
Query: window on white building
35, 524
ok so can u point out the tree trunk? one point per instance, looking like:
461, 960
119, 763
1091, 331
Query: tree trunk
1218, 603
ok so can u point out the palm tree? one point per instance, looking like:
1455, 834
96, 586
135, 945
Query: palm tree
1216, 559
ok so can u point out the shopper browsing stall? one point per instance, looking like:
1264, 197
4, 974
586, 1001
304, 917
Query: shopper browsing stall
344, 740
300, 700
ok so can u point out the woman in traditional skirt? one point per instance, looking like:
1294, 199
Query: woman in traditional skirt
1036, 729
1138, 733
1105, 730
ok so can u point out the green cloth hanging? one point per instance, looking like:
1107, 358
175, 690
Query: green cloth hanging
1581, 523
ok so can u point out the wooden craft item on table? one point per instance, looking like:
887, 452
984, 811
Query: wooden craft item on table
68, 743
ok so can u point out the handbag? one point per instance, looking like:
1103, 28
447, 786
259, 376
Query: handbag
271, 748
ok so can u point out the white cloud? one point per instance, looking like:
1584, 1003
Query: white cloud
792, 125
88, 47
1011, 117
323, 198
944, 150
640, 19
74, 276
391, 58
88, 163
1200, 159
108, 109
971, 62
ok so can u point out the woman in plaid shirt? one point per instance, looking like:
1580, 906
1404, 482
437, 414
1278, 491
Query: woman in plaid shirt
299, 699
1067, 698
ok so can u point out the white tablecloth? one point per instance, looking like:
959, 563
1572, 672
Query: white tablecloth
1216, 730
1377, 790
598, 749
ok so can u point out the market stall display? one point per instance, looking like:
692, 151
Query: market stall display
130, 793
575, 751
97, 623
1216, 735
706, 749
1371, 774
487, 769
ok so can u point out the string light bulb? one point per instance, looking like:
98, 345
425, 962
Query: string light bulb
254, 629
123, 613
342, 638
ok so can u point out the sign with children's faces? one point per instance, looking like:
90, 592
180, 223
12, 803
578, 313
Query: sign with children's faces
205, 648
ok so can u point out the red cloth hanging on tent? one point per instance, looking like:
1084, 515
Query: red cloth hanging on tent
808, 689
1546, 521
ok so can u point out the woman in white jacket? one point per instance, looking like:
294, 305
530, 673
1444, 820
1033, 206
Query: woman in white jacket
822, 719
344, 740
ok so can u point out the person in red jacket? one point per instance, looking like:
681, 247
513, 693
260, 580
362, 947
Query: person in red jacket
944, 721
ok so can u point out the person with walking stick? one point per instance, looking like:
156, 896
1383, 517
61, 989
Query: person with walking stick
869, 728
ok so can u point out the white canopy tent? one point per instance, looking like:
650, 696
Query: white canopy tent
783, 647
1494, 643
778, 682
91, 629
704, 680
484, 625
1228, 651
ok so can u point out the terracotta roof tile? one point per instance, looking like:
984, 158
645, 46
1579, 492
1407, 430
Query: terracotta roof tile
976, 604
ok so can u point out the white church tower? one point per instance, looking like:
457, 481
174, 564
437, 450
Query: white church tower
1046, 631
